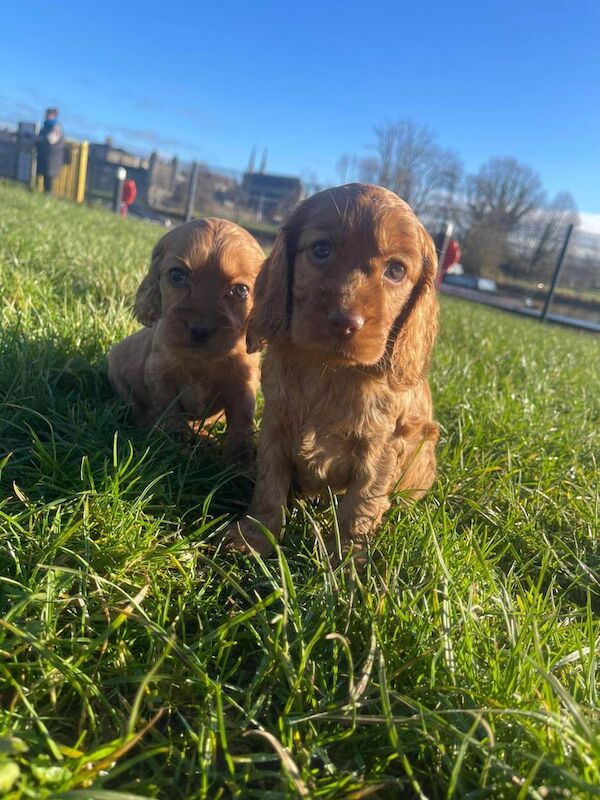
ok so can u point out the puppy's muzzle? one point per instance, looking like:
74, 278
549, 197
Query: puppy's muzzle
344, 324
200, 335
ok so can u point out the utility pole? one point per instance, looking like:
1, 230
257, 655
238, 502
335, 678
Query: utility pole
191, 196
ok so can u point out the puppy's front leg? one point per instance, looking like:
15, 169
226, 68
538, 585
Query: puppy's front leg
269, 501
367, 496
164, 407
165, 410
239, 411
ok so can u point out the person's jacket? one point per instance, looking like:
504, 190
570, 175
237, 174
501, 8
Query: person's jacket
50, 149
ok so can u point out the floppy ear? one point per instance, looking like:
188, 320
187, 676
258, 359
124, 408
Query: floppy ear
147, 299
418, 329
269, 316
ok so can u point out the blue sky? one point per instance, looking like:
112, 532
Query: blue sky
311, 79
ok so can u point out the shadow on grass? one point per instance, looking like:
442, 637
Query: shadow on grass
65, 433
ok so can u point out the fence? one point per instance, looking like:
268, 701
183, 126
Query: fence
511, 268
166, 188
182, 189
577, 296
70, 182
18, 162
545, 267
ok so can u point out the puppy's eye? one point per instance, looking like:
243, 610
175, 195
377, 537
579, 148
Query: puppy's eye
177, 276
321, 250
395, 272
239, 290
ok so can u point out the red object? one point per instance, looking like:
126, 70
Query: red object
129, 195
129, 192
452, 256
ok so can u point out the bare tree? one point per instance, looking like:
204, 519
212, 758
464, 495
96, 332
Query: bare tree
348, 168
410, 162
499, 198
343, 167
311, 182
539, 236
558, 215
502, 192
369, 170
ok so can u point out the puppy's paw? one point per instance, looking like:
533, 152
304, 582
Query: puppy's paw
245, 537
354, 550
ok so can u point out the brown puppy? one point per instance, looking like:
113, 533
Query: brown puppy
191, 360
347, 305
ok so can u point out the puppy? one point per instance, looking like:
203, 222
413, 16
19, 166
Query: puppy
190, 361
346, 303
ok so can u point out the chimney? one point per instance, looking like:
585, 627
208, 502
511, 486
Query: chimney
263, 162
251, 160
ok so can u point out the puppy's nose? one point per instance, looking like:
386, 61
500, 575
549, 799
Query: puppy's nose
198, 334
345, 323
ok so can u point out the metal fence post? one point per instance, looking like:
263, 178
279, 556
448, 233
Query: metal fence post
120, 176
191, 196
555, 277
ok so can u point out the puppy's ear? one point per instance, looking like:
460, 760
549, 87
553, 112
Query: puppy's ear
410, 355
269, 316
147, 304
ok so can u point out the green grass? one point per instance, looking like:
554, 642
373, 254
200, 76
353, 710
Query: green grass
135, 660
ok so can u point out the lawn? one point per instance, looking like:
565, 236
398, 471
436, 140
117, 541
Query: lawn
136, 660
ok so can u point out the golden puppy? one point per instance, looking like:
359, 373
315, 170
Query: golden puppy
191, 360
346, 303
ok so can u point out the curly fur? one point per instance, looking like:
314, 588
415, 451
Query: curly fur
189, 364
351, 413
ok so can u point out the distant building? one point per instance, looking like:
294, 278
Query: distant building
116, 155
17, 151
271, 196
162, 183
8, 153
163, 178
104, 161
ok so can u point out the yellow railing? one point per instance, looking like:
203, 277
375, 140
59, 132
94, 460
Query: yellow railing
69, 184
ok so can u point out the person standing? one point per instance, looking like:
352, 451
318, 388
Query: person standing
451, 257
50, 149
129, 195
